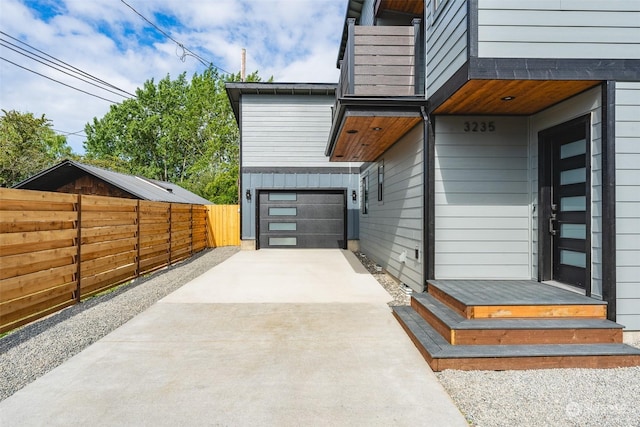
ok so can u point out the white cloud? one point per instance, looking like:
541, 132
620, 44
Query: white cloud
293, 40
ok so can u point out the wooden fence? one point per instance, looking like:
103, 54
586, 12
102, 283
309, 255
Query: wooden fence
57, 248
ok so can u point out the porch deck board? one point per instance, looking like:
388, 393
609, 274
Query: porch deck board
454, 320
427, 337
509, 292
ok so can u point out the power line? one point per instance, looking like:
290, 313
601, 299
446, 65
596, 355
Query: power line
184, 49
77, 133
57, 81
64, 64
28, 55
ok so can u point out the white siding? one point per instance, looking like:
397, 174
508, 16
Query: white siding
394, 225
285, 131
586, 103
559, 29
482, 199
628, 204
446, 37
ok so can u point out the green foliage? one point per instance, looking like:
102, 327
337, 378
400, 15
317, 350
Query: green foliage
27, 146
174, 130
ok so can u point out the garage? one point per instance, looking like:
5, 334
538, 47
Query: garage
302, 219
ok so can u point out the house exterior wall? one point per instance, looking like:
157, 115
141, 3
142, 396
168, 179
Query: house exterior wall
367, 16
590, 103
91, 185
395, 224
446, 38
283, 142
627, 113
285, 131
558, 29
482, 208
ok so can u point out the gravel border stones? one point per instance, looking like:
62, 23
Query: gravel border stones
35, 349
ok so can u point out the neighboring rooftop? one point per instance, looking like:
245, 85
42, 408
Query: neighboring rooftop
138, 187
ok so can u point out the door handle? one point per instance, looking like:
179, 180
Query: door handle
552, 229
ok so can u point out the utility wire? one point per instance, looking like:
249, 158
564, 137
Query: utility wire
184, 49
27, 54
64, 132
64, 64
57, 81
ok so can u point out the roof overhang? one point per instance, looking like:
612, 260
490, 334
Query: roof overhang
415, 7
510, 97
363, 129
236, 89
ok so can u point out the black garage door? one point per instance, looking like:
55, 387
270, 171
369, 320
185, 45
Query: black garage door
302, 219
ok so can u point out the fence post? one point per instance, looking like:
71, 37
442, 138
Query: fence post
138, 245
79, 252
170, 234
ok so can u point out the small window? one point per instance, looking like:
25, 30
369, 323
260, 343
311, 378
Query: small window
289, 197
283, 211
381, 181
282, 226
283, 241
365, 194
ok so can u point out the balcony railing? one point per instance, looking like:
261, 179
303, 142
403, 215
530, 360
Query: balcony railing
382, 61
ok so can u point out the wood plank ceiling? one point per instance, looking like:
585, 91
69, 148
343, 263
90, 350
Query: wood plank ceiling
515, 97
363, 138
411, 7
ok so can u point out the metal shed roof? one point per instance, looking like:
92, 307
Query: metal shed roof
139, 187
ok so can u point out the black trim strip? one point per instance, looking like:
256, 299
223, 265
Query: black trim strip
609, 285
303, 170
472, 28
554, 69
430, 197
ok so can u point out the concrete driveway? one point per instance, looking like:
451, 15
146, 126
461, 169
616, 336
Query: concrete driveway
270, 337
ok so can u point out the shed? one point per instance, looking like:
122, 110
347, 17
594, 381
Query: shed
74, 177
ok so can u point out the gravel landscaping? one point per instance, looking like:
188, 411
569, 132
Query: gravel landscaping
558, 397
549, 397
37, 348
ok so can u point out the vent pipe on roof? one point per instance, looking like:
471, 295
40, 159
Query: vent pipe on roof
243, 64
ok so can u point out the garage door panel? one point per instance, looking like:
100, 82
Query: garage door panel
302, 219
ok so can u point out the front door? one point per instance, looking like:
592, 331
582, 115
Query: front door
565, 199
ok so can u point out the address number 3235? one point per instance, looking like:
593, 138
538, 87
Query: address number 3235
479, 127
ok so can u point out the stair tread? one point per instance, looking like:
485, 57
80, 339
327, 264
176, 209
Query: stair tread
438, 347
509, 292
455, 321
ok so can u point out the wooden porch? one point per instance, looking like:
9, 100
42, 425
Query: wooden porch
504, 324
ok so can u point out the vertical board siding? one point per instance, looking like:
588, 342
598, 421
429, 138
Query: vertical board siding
285, 131
558, 29
446, 37
482, 223
298, 181
367, 16
394, 225
589, 102
224, 225
628, 203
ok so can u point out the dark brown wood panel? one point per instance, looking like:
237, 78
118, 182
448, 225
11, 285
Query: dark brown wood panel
411, 7
529, 96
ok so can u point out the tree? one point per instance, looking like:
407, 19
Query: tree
178, 131
27, 146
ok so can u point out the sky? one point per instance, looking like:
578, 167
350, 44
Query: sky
291, 40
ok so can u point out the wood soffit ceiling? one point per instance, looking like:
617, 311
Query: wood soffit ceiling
365, 138
411, 7
529, 96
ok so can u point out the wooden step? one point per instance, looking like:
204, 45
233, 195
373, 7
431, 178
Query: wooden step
458, 330
484, 299
440, 354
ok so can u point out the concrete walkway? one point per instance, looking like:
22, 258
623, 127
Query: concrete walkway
267, 338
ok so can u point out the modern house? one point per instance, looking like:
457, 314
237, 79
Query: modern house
499, 178
291, 194
74, 177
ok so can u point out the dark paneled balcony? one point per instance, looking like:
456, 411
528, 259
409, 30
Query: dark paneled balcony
380, 91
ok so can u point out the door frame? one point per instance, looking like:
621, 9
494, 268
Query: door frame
545, 181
